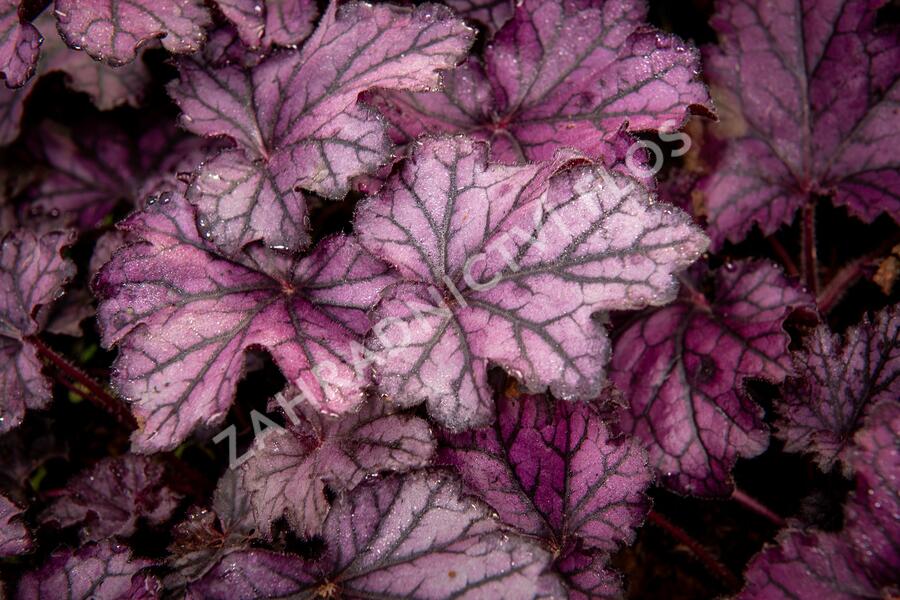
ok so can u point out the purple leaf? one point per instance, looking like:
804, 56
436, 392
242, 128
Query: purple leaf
296, 120
410, 537
587, 576
12, 106
492, 14
95, 166
113, 30
32, 275
287, 475
113, 496
182, 316
507, 265
102, 570
551, 471
813, 93
271, 22
561, 74
871, 515
20, 45
807, 567
838, 381
14, 537
107, 86
682, 369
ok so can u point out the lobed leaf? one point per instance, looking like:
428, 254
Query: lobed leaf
561, 74
32, 275
838, 382
296, 120
682, 368
287, 475
409, 537
113, 30
96, 570
813, 89
182, 316
113, 497
20, 45
508, 265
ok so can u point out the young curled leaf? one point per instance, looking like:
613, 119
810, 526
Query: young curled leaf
838, 382
182, 316
32, 275
682, 369
413, 536
508, 265
287, 474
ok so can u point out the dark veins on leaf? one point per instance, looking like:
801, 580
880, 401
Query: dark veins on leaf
412, 536
508, 265
838, 381
296, 120
182, 316
551, 471
682, 368
811, 89
32, 275
561, 73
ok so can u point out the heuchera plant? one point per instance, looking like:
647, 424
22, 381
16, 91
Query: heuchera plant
551, 299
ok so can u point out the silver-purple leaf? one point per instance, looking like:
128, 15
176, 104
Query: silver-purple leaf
113, 30
287, 473
561, 73
12, 106
267, 23
398, 537
682, 369
551, 470
32, 275
20, 45
107, 86
103, 570
508, 265
812, 89
807, 566
113, 497
296, 120
14, 536
872, 513
96, 165
182, 316
838, 381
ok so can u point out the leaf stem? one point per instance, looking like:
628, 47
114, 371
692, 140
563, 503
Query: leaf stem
809, 262
709, 561
832, 294
754, 505
784, 256
97, 393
